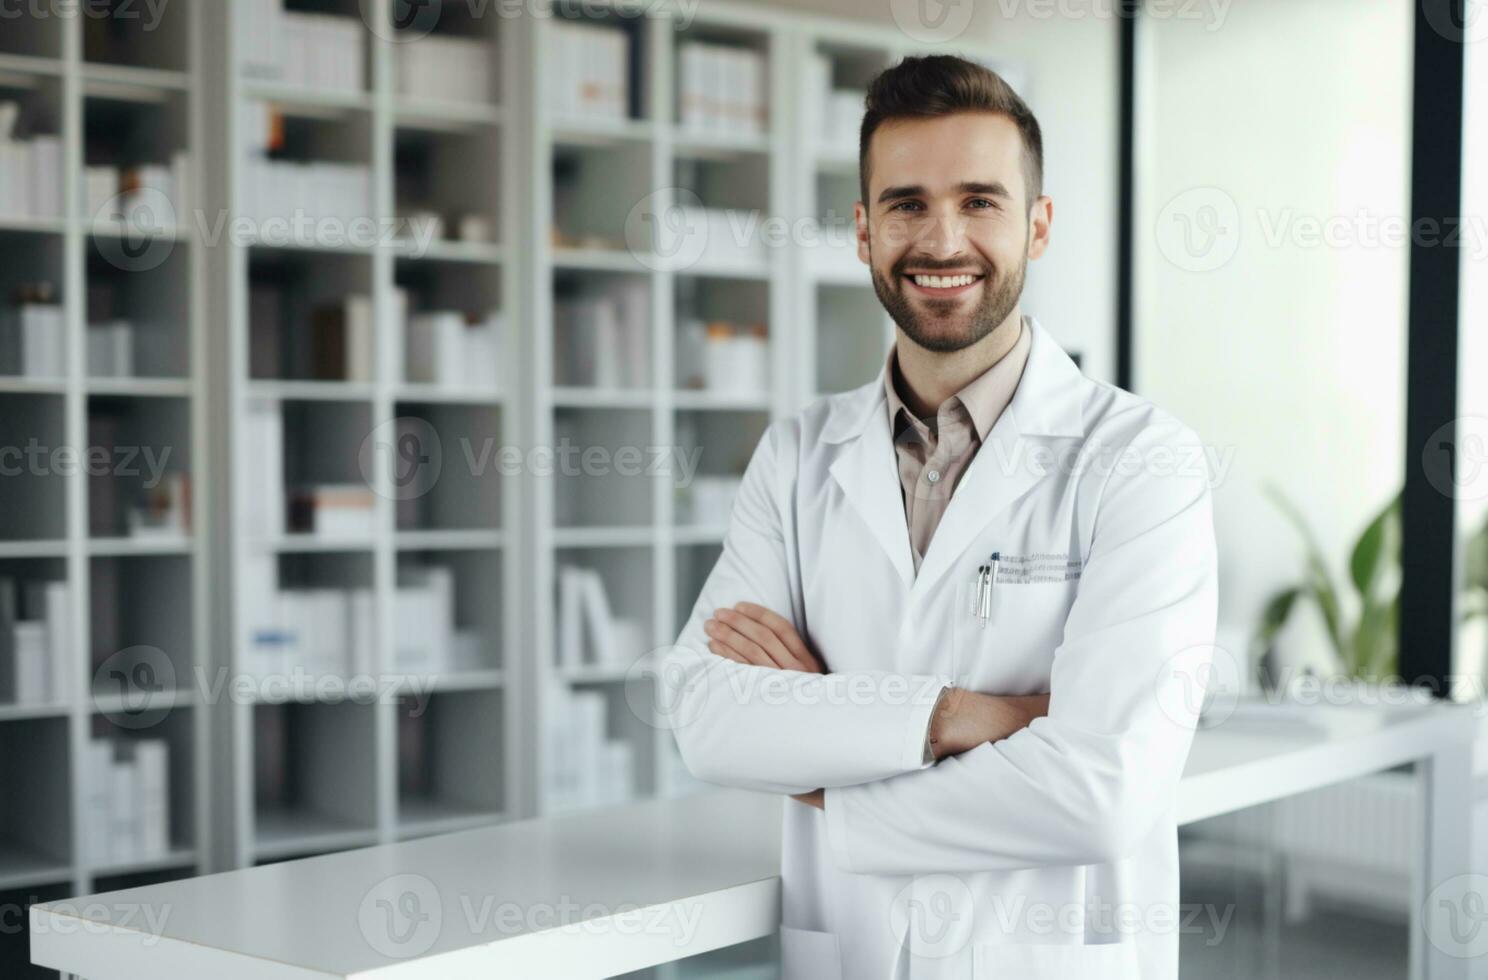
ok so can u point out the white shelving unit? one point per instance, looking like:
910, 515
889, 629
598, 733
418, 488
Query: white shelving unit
133, 624
435, 750
604, 178
301, 772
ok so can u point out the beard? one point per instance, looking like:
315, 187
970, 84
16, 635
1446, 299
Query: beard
1000, 294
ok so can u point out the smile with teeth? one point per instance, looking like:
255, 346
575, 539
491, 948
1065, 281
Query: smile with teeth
944, 282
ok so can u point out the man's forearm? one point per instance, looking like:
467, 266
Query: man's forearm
964, 719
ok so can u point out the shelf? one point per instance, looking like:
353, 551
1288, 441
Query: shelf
598, 260
98, 76
722, 401
307, 543
424, 817
307, 103
282, 833
120, 704
107, 547
328, 391
22, 712
145, 90
25, 64
577, 397
604, 537
441, 395
178, 857
601, 132
690, 534
39, 548
594, 673
119, 229
44, 226
449, 117
23, 867
312, 248
449, 540
463, 680
718, 146
141, 387
32, 386
476, 253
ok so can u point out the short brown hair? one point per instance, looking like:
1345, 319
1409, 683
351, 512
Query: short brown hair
941, 84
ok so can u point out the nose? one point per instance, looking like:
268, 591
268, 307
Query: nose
943, 234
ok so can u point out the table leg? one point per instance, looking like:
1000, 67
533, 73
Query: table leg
1449, 910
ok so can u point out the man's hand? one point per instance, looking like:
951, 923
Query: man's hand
752, 634
816, 798
965, 719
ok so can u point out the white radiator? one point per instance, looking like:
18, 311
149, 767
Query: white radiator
1353, 843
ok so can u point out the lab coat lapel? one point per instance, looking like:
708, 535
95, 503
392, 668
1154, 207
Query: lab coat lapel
867, 470
1015, 457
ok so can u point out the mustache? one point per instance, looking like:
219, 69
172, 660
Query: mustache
920, 265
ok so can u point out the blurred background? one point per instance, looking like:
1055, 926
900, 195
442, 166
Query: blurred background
375, 380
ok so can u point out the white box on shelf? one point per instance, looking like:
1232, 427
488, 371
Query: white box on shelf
262, 468
152, 763
97, 820
33, 683
43, 341
110, 349
51, 603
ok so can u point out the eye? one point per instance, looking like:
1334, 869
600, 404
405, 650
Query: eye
905, 206
981, 203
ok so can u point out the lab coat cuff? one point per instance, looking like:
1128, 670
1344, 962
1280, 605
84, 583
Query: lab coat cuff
917, 754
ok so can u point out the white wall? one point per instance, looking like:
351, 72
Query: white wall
1290, 355
1071, 60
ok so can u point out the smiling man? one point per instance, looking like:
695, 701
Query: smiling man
962, 612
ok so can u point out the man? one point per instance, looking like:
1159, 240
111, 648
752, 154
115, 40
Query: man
960, 610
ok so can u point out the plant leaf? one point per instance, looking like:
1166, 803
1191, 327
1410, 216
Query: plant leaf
1319, 580
1373, 549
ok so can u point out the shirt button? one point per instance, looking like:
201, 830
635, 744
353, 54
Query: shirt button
933, 476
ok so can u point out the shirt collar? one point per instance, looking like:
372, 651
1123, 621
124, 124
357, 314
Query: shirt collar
984, 397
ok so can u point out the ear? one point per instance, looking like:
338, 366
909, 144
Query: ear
1040, 216
860, 219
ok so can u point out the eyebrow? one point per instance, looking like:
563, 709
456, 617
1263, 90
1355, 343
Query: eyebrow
994, 189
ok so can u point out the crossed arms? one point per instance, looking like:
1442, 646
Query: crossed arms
1079, 780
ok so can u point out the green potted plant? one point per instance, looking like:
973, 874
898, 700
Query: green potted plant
1366, 648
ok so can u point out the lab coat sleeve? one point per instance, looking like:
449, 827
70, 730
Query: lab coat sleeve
1087, 783
772, 730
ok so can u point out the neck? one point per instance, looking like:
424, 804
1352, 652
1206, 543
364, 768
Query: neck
927, 378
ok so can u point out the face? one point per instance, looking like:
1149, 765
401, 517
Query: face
947, 230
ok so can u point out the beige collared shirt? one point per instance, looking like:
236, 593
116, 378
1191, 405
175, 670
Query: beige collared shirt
933, 453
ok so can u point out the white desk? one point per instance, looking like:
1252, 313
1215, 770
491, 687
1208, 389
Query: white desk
602, 893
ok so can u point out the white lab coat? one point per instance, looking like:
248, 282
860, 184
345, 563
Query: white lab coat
1052, 853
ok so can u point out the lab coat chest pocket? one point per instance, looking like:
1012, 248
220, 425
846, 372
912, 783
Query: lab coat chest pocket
1006, 629
809, 955
1032, 961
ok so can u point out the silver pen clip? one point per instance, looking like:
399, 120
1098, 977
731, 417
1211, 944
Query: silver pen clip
987, 580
